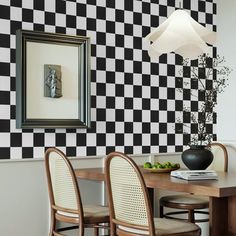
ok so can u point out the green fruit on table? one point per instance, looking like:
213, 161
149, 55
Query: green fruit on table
161, 166
169, 164
158, 165
147, 165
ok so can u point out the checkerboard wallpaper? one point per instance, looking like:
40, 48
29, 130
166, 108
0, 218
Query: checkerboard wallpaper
134, 101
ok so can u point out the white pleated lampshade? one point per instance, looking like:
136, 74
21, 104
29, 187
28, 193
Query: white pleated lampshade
181, 34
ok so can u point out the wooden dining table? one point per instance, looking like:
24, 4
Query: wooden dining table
221, 193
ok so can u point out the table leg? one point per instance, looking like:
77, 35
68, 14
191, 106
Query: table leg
151, 197
218, 216
231, 216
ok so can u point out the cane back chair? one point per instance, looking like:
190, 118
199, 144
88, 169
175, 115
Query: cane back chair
65, 199
189, 204
129, 204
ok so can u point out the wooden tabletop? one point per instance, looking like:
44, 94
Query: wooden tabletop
221, 192
223, 187
96, 174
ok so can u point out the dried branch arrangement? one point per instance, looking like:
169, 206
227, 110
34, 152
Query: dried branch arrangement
211, 76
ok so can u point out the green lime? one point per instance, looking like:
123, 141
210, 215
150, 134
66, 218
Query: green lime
175, 165
160, 166
147, 165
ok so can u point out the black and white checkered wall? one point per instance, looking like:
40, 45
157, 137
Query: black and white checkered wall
134, 101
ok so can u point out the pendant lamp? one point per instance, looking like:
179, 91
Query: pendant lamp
181, 34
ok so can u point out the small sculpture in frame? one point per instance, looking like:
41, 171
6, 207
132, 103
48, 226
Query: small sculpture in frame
52, 81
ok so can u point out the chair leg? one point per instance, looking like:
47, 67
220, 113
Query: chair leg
191, 217
95, 231
53, 225
161, 211
81, 230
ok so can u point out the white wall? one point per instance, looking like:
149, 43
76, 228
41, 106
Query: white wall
226, 38
23, 199
24, 207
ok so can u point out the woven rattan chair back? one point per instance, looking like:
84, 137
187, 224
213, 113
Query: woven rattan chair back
63, 188
127, 193
220, 160
63, 185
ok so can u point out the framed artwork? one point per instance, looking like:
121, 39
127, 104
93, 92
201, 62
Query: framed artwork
52, 80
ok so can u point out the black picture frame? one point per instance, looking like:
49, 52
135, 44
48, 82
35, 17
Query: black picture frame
25, 95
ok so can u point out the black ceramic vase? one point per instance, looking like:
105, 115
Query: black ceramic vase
197, 157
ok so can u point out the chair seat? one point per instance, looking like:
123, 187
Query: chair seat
167, 227
96, 211
92, 213
185, 201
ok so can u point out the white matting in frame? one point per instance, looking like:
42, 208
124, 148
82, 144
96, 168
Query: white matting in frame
38, 106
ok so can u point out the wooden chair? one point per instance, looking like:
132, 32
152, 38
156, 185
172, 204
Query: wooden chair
189, 204
65, 198
129, 204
